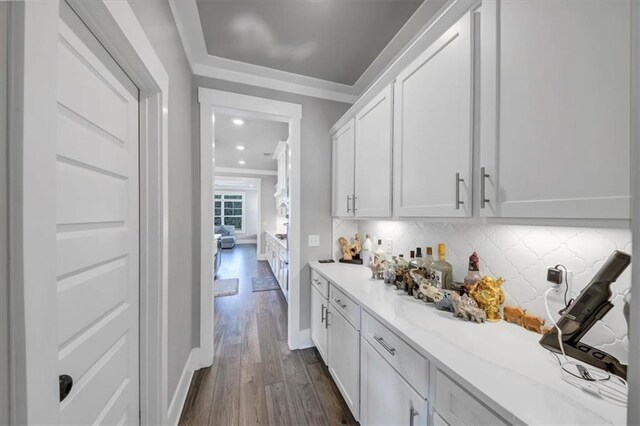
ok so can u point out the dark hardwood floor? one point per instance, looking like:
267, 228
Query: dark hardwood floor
255, 379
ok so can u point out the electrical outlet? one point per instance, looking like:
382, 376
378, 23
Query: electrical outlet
314, 241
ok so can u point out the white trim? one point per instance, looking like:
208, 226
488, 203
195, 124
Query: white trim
34, 34
633, 376
211, 100
262, 256
240, 171
247, 241
180, 396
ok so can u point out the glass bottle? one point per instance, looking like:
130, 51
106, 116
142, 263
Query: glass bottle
442, 271
366, 251
473, 276
428, 262
380, 251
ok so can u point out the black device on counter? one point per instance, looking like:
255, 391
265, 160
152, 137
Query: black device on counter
591, 305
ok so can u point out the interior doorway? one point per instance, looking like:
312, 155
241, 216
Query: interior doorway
243, 107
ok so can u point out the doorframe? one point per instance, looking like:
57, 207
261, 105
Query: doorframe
33, 38
210, 101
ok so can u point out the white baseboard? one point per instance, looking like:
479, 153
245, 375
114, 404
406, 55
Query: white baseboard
262, 256
301, 340
180, 395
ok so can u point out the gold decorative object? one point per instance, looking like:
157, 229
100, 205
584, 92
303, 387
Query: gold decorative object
533, 323
514, 314
350, 251
489, 295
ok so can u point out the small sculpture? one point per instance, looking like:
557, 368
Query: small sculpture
445, 303
514, 314
489, 295
533, 323
467, 308
378, 266
430, 293
350, 251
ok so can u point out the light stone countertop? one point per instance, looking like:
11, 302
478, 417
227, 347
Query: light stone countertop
502, 364
272, 234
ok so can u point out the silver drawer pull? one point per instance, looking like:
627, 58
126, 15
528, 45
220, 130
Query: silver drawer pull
322, 317
380, 340
412, 413
458, 201
483, 194
339, 302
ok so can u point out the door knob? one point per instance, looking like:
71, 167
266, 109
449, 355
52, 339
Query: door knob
66, 383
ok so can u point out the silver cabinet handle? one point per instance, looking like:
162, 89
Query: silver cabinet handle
348, 199
339, 302
483, 197
322, 317
458, 180
326, 318
380, 340
412, 413
354, 202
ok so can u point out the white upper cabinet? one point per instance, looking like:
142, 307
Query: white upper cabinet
433, 129
373, 157
343, 170
555, 127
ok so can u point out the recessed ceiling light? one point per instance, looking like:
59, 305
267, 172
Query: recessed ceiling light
240, 148
242, 162
238, 121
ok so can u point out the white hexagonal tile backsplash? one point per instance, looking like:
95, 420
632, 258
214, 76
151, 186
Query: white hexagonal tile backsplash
520, 255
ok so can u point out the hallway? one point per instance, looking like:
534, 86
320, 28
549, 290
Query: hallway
255, 379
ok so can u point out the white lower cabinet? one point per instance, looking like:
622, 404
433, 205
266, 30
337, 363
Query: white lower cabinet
318, 321
344, 358
385, 397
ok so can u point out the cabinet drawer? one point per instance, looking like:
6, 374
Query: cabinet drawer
321, 283
458, 407
344, 305
413, 367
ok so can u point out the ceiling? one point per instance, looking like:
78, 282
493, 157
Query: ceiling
328, 49
230, 183
333, 40
255, 135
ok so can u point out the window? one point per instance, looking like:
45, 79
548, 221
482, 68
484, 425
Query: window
228, 209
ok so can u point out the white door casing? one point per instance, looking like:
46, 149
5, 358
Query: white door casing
433, 128
97, 235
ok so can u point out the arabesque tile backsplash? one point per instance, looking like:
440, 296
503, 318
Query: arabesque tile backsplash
520, 255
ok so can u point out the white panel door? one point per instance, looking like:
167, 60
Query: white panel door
343, 170
433, 129
97, 230
386, 398
344, 359
373, 157
555, 132
318, 325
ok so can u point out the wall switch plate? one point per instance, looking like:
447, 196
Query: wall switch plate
314, 241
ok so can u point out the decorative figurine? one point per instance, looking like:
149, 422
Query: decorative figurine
445, 303
378, 266
467, 308
473, 275
431, 293
489, 295
533, 323
514, 314
350, 252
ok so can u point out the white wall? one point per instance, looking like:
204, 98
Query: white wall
521, 255
184, 327
4, 252
251, 224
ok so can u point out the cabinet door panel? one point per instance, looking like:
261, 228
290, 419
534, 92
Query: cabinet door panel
373, 157
343, 172
433, 128
386, 398
555, 133
344, 359
318, 329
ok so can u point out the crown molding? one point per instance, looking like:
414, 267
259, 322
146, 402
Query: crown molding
241, 171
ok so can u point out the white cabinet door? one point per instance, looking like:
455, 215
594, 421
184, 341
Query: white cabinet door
343, 172
555, 131
373, 157
433, 128
318, 327
386, 398
344, 359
